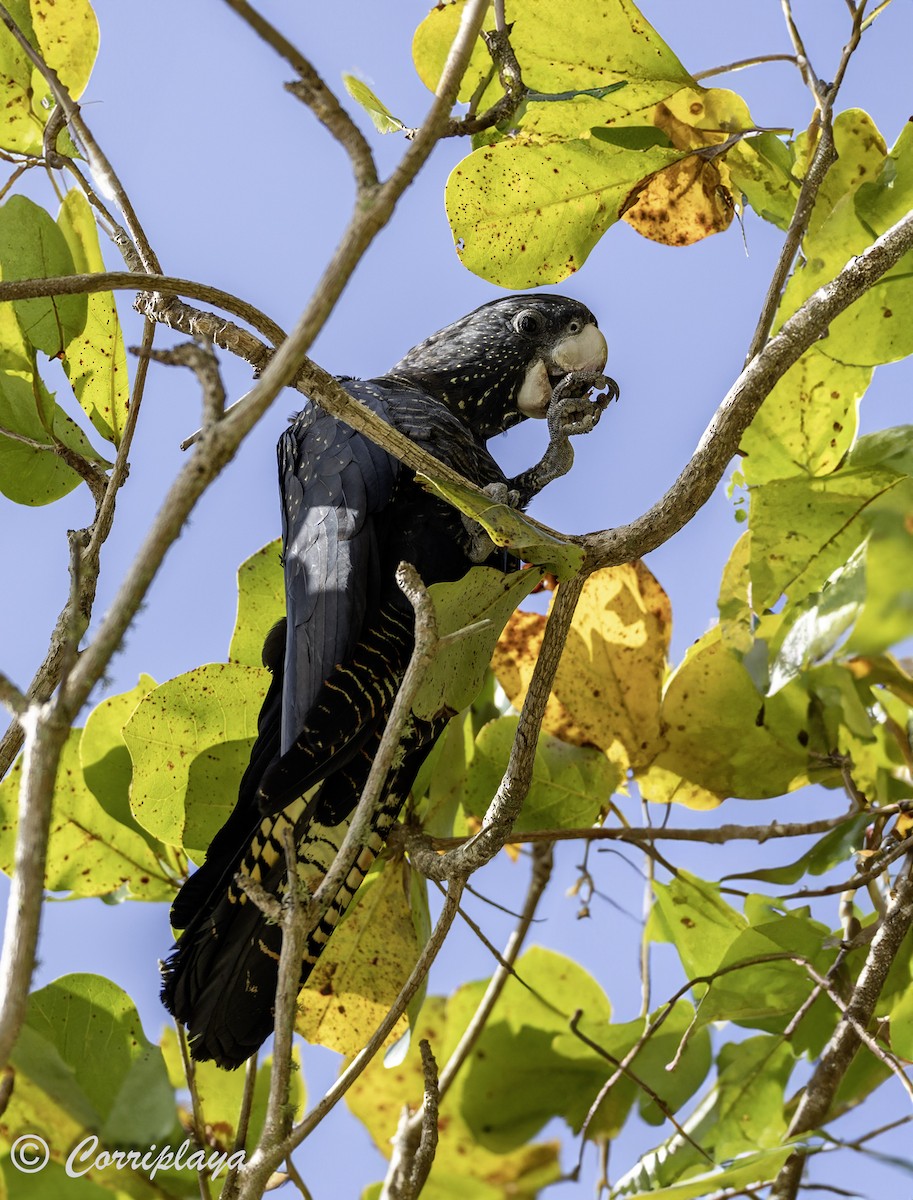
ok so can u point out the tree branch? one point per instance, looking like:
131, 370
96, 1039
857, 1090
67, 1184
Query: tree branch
505, 807
837, 1055
314, 92
412, 1159
720, 441
231, 339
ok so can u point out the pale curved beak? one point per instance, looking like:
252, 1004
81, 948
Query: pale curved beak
583, 351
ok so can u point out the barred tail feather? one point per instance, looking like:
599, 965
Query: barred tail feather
220, 980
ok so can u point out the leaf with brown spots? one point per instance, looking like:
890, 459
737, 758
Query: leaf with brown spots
66, 34
608, 685
525, 214
90, 852
190, 741
878, 327
808, 423
723, 736
691, 199
366, 962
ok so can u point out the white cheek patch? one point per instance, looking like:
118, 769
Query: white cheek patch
536, 391
584, 351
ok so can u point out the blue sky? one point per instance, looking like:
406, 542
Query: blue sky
238, 187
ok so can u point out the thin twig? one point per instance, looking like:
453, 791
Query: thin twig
741, 63
542, 869
623, 1068
204, 364
321, 100
505, 807
196, 1109
860, 879
243, 1123
812, 81
10, 695
885, 1057
649, 874
719, 835
824, 157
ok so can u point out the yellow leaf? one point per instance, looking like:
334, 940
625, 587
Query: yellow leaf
365, 964
608, 687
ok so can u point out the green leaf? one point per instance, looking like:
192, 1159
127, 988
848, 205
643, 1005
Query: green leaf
366, 962
830, 851
762, 168
220, 1092
808, 422
691, 914
442, 779
887, 614
190, 741
384, 120
510, 529
86, 1030
515, 1080
96, 360
802, 529
878, 327
31, 426
632, 137
813, 628
66, 33
524, 214
33, 247
588, 51
458, 669
431, 44
860, 156
723, 735
755, 1168
108, 770
571, 784
742, 1112
767, 995
527, 1066
261, 603
90, 853
650, 1066
462, 1167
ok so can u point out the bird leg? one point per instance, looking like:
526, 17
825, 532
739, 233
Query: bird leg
570, 412
479, 546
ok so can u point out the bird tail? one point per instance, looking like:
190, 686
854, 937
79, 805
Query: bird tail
220, 980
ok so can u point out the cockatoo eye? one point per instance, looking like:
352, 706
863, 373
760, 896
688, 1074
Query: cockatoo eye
528, 321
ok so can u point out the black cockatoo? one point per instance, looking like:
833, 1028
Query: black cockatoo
350, 514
